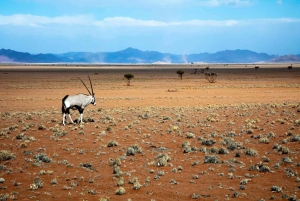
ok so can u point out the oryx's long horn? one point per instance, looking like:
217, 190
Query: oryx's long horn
85, 86
91, 85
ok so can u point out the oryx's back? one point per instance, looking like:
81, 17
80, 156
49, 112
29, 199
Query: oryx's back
80, 100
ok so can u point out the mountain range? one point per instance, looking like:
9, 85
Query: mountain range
132, 56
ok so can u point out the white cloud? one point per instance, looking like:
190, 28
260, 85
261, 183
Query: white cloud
288, 20
33, 20
88, 20
277, 20
127, 21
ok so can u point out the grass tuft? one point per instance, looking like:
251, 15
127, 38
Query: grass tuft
211, 159
120, 191
6, 155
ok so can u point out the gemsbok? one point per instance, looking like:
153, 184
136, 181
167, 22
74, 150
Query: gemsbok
77, 102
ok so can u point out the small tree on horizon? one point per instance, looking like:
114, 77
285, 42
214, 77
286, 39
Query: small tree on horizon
180, 73
128, 77
211, 77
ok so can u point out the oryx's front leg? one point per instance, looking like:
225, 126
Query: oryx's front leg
81, 115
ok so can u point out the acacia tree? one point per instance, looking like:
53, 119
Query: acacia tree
128, 77
211, 77
180, 73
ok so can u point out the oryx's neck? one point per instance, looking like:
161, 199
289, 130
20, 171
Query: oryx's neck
87, 99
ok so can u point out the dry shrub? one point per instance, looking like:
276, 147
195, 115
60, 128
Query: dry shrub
172, 90
5, 155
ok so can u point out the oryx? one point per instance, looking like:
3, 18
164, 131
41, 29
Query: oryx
77, 102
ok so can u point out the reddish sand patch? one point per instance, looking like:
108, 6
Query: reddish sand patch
246, 109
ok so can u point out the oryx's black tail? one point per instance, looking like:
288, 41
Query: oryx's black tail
63, 104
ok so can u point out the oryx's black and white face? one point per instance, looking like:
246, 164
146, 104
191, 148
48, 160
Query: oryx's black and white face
93, 100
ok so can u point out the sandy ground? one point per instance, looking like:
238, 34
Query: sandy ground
250, 116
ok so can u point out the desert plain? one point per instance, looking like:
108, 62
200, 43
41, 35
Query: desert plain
161, 138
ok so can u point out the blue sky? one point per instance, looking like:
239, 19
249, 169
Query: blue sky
173, 26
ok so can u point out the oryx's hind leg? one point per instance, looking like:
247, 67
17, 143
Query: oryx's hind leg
63, 119
68, 112
71, 119
64, 110
64, 116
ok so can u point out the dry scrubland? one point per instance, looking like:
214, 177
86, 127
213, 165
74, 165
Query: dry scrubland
161, 138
